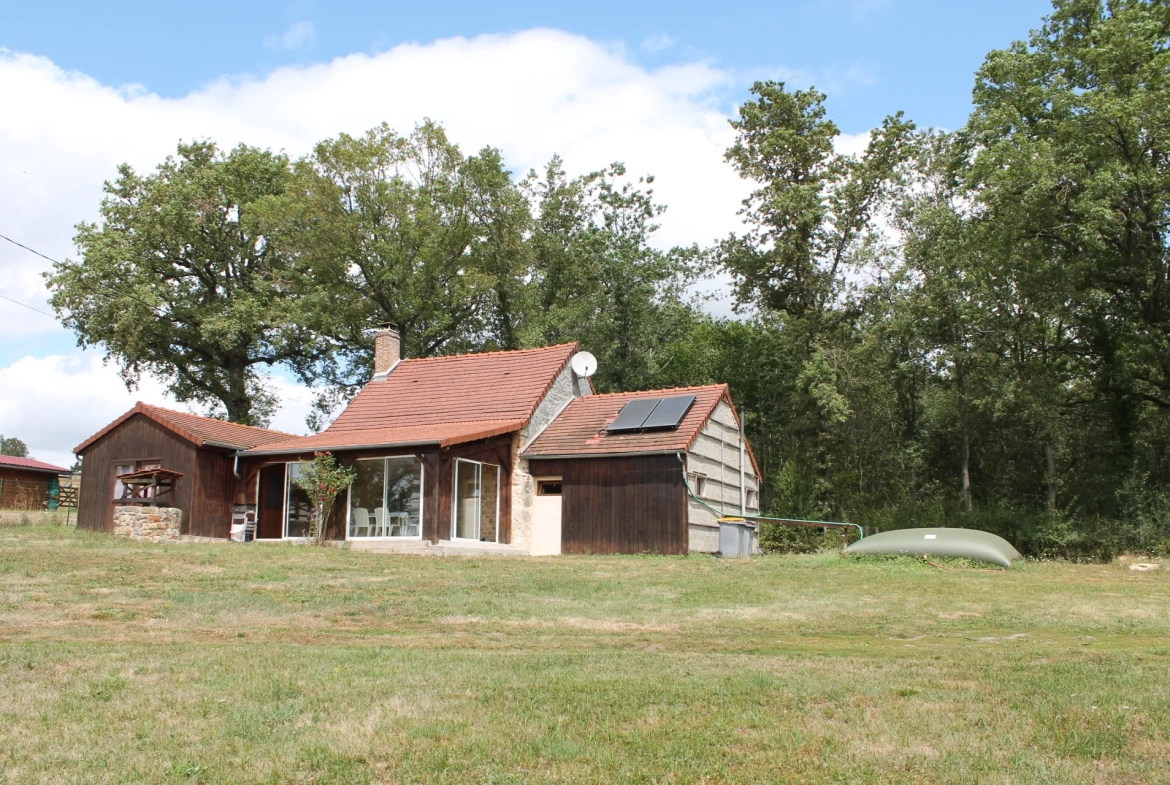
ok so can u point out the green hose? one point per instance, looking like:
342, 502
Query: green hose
724, 516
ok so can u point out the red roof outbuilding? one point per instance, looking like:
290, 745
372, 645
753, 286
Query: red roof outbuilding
30, 465
201, 431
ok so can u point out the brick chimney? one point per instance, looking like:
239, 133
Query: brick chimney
387, 348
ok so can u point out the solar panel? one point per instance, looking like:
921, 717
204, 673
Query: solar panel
669, 412
633, 414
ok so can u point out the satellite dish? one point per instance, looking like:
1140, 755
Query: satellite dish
583, 364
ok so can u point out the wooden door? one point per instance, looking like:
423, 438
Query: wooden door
270, 516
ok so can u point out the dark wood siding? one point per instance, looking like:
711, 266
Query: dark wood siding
497, 450
24, 489
620, 505
136, 439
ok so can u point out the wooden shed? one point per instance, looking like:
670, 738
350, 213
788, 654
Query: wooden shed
201, 450
28, 484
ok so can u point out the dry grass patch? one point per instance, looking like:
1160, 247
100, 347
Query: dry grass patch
214, 663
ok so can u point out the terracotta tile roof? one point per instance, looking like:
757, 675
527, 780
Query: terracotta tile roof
457, 388
195, 429
442, 400
579, 431
29, 464
440, 434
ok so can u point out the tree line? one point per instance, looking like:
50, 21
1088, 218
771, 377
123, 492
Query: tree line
966, 327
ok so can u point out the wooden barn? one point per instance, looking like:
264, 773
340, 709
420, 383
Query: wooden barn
202, 451
508, 452
28, 484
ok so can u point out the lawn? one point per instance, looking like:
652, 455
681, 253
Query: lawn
126, 662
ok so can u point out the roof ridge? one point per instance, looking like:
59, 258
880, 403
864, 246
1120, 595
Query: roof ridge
488, 354
211, 419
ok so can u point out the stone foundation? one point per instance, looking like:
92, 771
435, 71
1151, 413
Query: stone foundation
149, 524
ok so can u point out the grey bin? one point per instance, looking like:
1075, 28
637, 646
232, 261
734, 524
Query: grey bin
738, 539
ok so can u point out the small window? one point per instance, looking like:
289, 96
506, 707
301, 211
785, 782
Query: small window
548, 488
699, 484
753, 500
119, 469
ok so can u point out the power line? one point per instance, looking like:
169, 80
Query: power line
30, 250
18, 302
75, 268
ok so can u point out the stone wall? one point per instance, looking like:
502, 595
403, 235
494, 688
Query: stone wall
150, 524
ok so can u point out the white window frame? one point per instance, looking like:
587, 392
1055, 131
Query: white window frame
455, 502
287, 489
422, 497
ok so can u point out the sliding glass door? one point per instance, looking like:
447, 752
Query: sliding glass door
477, 501
385, 499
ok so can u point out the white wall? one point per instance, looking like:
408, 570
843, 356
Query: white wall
715, 454
566, 387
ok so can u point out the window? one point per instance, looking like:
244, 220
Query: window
477, 501
298, 507
752, 500
126, 467
548, 488
385, 499
699, 484
121, 468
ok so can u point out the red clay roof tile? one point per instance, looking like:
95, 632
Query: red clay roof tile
457, 388
442, 400
31, 465
579, 431
440, 434
195, 429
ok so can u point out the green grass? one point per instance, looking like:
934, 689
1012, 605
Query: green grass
125, 662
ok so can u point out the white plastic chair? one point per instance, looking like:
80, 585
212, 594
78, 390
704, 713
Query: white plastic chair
361, 522
399, 522
379, 521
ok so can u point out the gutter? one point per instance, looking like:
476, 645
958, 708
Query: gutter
574, 456
320, 448
788, 521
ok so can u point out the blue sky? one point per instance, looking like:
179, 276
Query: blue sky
87, 86
872, 56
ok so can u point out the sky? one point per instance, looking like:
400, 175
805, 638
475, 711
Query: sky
85, 87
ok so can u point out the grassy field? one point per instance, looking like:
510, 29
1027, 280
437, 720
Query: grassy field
123, 662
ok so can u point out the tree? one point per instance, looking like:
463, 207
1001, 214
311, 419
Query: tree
809, 221
1070, 143
10, 445
404, 229
180, 281
594, 278
322, 479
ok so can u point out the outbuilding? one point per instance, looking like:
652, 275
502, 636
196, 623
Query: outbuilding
28, 484
200, 453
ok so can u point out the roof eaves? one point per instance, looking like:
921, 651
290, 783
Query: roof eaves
625, 454
331, 448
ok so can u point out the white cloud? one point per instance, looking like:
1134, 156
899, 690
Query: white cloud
54, 403
658, 42
532, 94
297, 36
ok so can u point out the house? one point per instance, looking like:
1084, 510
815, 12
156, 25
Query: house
509, 452
27, 484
